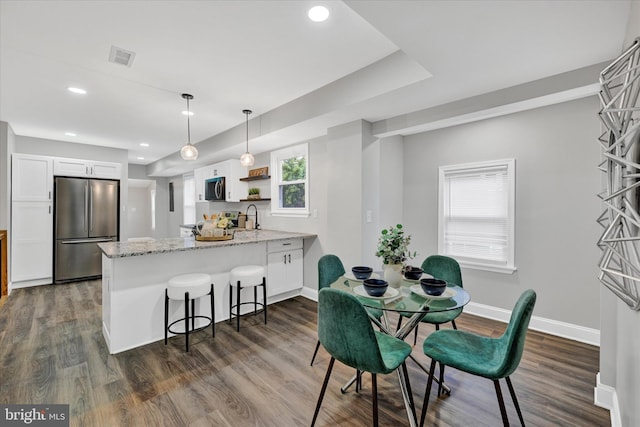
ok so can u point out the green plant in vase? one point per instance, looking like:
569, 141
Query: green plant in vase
393, 248
254, 193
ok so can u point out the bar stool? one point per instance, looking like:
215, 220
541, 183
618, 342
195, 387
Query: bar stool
242, 277
188, 287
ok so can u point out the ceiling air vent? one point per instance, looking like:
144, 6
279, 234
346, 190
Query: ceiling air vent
121, 56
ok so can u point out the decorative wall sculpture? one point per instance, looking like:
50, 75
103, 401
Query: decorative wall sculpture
620, 240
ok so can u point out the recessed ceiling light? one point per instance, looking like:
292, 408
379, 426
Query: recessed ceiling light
77, 90
187, 113
318, 13
144, 144
140, 158
70, 134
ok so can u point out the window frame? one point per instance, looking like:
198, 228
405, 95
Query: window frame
300, 150
508, 266
188, 195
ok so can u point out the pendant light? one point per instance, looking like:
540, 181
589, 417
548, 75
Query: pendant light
189, 151
247, 158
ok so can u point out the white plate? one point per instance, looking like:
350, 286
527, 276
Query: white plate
349, 275
448, 293
391, 293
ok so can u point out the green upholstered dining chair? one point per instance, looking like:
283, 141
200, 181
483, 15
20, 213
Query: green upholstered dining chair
444, 268
492, 358
330, 268
347, 334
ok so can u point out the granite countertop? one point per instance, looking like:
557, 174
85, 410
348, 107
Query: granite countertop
176, 244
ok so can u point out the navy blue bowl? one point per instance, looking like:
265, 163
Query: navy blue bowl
433, 287
375, 287
413, 273
361, 272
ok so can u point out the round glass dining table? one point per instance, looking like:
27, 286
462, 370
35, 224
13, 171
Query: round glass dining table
410, 300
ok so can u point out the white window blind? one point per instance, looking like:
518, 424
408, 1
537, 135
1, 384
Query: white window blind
476, 214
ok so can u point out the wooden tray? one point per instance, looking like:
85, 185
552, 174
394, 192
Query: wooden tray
214, 238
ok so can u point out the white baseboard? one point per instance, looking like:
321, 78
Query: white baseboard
606, 397
29, 283
549, 326
309, 293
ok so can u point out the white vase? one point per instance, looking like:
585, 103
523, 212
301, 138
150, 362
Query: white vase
392, 273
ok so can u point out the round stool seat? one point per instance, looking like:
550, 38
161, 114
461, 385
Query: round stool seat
197, 284
248, 275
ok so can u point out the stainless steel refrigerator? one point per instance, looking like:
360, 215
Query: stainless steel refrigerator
86, 212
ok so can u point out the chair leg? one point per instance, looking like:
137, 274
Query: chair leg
213, 312
186, 319
441, 379
405, 372
324, 388
399, 322
374, 395
315, 352
515, 400
415, 335
255, 300
264, 298
193, 314
238, 307
166, 316
503, 410
453, 323
425, 404
230, 303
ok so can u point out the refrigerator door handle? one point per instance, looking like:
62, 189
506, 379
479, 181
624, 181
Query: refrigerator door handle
74, 242
90, 206
86, 208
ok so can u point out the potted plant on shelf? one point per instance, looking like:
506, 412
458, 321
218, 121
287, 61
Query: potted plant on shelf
254, 193
393, 248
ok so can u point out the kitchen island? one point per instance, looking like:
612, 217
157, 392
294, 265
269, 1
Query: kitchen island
135, 275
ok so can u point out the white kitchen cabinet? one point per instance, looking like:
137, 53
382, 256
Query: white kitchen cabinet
231, 170
284, 266
31, 178
199, 176
31, 241
86, 168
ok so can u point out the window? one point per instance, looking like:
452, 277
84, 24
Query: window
188, 199
290, 181
476, 214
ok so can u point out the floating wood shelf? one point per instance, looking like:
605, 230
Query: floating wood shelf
255, 200
255, 178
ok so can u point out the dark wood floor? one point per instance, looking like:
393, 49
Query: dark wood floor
52, 351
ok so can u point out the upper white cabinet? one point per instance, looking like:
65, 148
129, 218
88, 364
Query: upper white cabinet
231, 170
199, 176
31, 177
86, 168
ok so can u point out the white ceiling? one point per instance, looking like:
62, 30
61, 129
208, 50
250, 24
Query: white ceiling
370, 60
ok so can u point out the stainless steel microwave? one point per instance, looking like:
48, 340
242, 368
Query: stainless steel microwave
214, 189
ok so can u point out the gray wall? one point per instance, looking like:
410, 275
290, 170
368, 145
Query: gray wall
556, 207
162, 203
620, 328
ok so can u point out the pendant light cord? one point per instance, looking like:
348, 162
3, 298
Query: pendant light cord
188, 123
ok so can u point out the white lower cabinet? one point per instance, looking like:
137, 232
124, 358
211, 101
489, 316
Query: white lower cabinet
31, 241
284, 266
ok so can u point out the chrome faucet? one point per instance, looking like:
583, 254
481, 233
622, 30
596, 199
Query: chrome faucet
256, 209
